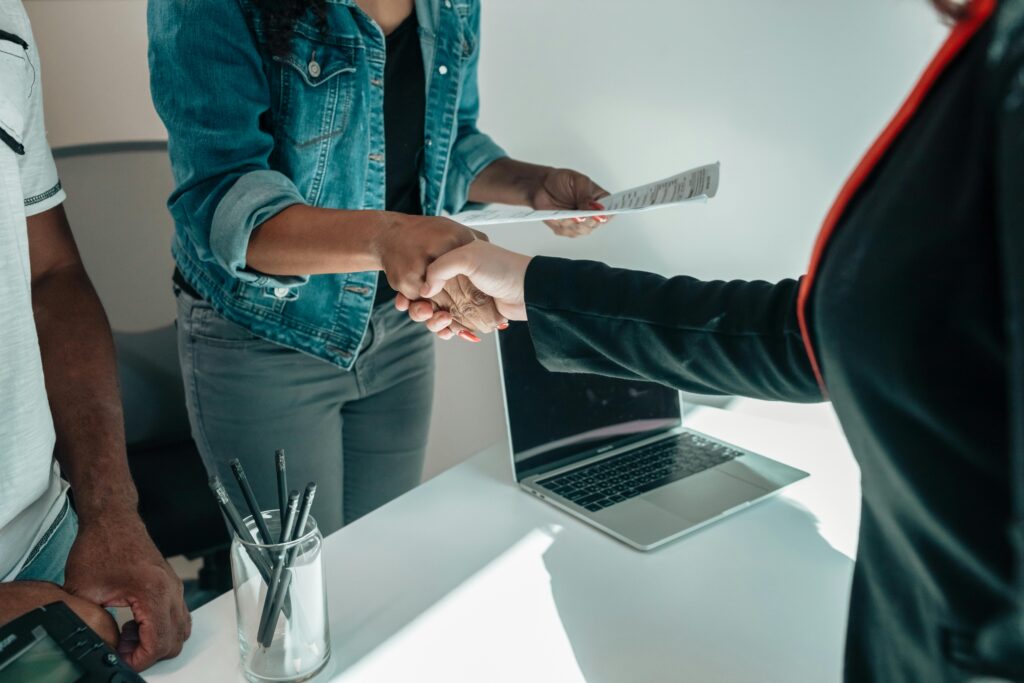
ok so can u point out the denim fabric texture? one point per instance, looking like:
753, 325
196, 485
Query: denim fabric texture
251, 134
361, 435
46, 560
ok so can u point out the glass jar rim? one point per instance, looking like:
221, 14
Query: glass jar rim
311, 525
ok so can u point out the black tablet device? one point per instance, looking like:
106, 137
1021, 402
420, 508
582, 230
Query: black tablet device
52, 645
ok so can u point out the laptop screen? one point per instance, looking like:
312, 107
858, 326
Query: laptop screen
555, 419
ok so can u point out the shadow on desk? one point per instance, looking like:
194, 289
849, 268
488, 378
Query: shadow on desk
731, 602
537, 595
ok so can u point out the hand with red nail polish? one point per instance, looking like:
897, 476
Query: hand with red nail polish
561, 188
459, 308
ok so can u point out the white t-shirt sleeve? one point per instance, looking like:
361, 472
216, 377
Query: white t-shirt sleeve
39, 180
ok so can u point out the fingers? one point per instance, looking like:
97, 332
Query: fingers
598, 206
129, 640
471, 307
463, 333
575, 227
409, 285
457, 262
146, 644
161, 626
441, 320
587, 191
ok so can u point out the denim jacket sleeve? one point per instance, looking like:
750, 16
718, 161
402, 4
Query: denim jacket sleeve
472, 150
210, 89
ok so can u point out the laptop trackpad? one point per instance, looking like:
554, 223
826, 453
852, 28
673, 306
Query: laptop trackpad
704, 495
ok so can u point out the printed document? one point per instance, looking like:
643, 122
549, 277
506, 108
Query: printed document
696, 184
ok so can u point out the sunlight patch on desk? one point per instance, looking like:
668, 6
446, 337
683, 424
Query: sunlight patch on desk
507, 606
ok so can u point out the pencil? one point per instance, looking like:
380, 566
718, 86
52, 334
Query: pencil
282, 482
265, 630
234, 520
250, 500
286, 580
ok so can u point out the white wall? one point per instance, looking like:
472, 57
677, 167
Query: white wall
785, 93
95, 70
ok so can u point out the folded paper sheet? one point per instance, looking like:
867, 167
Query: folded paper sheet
697, 183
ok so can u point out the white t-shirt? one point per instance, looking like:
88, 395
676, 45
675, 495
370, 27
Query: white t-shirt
31, 491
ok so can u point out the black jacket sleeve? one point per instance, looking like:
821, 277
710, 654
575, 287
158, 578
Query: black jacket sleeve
735, 337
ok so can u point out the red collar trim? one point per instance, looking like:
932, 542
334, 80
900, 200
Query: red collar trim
978, 12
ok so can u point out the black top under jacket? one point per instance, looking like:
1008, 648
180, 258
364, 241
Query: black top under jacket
405, 106
917, 321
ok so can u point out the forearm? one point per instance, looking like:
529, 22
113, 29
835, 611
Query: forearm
306, 240
507, 181
20, 597
708, 337
80, 370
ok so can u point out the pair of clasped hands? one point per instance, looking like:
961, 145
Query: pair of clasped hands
459, 284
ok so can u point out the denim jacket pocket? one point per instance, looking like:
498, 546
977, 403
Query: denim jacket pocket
317, 85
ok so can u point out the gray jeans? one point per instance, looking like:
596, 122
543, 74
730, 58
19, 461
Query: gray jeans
360, 435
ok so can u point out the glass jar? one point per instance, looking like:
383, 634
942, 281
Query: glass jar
294, 643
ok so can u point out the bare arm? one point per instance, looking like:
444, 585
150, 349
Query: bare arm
113, 561
508, 181
307, 240
81, 371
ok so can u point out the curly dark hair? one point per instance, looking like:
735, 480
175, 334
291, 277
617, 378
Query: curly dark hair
279, 17
952, 10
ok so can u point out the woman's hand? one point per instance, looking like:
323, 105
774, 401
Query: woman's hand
469, 310
408, 244
497, 272
507, 181
561, 188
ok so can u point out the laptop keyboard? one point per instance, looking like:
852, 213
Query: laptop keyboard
633, 473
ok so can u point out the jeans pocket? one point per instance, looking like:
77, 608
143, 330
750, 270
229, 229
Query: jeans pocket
207, 325
45, 562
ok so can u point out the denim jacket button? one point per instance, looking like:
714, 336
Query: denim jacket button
280, 292
314, 69
442, 69
448, 4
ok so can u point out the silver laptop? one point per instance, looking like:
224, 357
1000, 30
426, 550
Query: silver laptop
613, 452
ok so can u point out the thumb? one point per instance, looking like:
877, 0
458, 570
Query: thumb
454, 263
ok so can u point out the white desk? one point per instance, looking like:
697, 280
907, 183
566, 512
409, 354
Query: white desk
468, 579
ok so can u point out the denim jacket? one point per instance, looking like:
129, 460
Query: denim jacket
250, 134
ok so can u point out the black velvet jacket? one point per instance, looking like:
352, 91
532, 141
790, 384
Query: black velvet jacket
917, 321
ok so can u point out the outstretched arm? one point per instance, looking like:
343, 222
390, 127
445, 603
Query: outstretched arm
710, 337
707, 337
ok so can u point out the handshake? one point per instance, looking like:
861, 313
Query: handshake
451, 278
